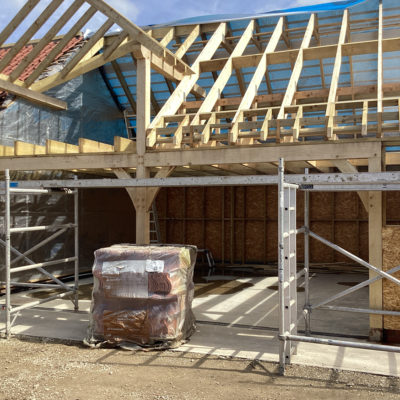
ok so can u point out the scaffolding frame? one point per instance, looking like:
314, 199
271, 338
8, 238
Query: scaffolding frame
10, 310
288, 275
288, 185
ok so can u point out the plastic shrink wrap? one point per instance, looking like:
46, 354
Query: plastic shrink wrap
143, 294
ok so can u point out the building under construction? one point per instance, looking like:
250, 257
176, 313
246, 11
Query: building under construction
207, 132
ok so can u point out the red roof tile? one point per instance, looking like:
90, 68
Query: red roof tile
42, 55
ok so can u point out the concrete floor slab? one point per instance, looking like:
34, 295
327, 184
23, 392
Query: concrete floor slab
237, 324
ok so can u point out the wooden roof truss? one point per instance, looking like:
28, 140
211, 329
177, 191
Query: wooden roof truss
203, 133
334, 111
130, 40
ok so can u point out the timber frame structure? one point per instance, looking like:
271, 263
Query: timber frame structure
319, 89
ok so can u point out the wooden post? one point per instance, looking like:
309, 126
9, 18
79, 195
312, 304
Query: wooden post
143, 121
375, 252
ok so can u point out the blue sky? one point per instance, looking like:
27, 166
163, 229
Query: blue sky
156, 11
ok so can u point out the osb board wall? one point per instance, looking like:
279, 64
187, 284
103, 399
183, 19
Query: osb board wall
391, 258
239, 224
106, 217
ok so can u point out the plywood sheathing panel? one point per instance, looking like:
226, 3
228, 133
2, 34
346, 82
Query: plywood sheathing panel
194, 202
213, 237
175, 198
255, 202
194, 233
272, 202
392, 207
254, 241
175, 230
238, 242
227, 242
318, 251
391, 258
213, 202
272, 241
99, 223
346, 205
240, 202
242, 222
321, 206
346, 236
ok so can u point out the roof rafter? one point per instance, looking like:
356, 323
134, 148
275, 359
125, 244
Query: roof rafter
187, 83
124, 85
218, 87
330, 109
256, 80
298, 66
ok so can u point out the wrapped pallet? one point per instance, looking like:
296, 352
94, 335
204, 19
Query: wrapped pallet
143, 295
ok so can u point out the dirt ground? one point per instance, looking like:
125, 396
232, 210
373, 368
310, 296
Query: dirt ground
40, 370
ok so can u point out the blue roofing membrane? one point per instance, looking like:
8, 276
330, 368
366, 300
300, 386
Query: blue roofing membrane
204, 19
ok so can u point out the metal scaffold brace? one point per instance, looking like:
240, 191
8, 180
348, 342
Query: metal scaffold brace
68, 290
287, 264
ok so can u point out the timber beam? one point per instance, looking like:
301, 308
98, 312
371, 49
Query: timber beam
311, 53
305, 96
361, 149
37, 98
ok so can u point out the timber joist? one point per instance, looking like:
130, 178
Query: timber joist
351, 119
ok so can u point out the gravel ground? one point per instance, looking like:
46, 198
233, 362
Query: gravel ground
45, 370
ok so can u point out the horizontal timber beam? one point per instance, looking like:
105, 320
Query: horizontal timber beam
68, 162
35, 97
368, 91
311, 53
302, 151
263, 153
